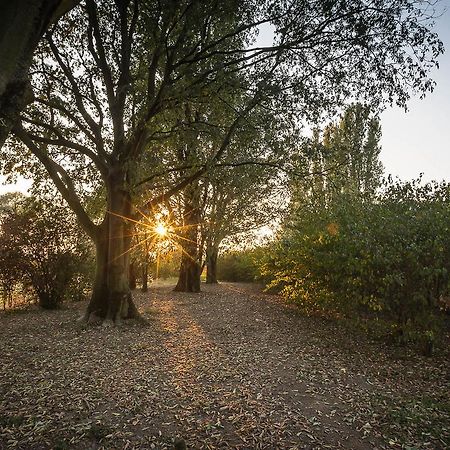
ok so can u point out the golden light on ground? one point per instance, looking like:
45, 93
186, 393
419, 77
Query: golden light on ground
161, 230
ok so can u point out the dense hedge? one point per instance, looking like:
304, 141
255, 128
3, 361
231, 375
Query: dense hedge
387, 259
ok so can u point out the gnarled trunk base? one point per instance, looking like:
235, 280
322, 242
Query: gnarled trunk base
111, 308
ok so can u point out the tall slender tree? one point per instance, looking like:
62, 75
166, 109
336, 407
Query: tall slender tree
355, 142
343, 159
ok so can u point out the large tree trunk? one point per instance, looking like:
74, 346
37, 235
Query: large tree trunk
190, 269
22, 23
212, 254
189, 276
111, 299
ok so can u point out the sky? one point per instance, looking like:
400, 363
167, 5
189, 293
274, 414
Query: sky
413, 142
419, 141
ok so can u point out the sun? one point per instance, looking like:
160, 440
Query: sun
161, 230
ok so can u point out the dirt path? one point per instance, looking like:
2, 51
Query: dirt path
226, 368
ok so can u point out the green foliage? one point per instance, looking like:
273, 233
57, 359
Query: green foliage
388, 259
356, 246
238, 266
168, 265
344, 158
43, 251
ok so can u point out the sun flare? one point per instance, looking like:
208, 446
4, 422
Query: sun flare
161, 230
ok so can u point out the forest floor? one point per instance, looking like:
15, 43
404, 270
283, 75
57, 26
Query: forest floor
227, 368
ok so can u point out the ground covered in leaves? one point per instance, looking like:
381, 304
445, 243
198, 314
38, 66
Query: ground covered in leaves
227, 368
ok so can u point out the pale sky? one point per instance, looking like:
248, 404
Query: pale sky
419, 140
414, 142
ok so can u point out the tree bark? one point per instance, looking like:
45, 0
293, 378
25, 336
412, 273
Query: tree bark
111, 299
212, 254
98, 305
189, 275
22, 24
132, 276
144, 277
190, 269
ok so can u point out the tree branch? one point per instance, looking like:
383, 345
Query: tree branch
61, 179
94, 126
61, 141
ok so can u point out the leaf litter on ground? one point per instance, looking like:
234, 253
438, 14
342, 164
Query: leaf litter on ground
227, 368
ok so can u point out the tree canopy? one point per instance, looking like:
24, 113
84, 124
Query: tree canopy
116, 84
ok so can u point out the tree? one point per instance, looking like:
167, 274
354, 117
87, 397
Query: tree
355, 141
243, 193
191, 144
343, 159
236, 195
22, 24
112, 79
240, 200
189, 237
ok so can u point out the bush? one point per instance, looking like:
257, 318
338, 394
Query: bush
44, 249
238, 266
388, 258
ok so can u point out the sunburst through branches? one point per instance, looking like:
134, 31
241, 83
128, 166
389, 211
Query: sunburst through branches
156, 233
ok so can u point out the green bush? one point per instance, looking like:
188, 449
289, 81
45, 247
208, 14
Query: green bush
45, 251
238, 266
388, 258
